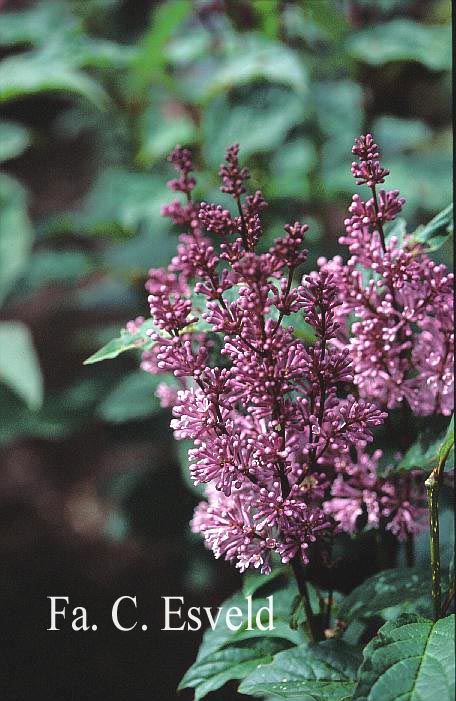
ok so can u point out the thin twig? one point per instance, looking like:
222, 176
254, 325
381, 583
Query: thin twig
244, 232
433, 485
379, 223
433, 488
298, 571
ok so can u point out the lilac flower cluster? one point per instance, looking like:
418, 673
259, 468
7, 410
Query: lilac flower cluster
275, 423
401, 339
397, 503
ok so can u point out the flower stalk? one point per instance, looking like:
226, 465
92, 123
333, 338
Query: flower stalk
433, 487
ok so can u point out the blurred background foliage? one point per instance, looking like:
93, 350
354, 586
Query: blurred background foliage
93, 97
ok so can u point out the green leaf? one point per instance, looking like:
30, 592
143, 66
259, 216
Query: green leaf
123, 199
15, 233
35, 25
14, 139
269, 15
340, 109
152, 246
447, 445
161, 128
426, 452
252, 581
410, 659
396, 228
60, 414
133, 398
290, 168
37, 72
331, 21
151, 59
434, 234
19, 365
398, 587
252, 57
126, 341
60, 37
403, 40
399, 134
315, 22
221, 636
430, 188
213, 671
226, 122
323, 671
52, 266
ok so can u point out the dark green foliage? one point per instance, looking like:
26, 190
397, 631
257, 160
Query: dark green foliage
410, 658
321, 671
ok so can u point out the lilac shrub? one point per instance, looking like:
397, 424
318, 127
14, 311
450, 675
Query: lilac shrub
280, 428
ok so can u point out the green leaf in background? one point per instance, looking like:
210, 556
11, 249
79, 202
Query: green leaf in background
268, 13
15, 233
323, 671
85, 52
123, 199
234, 662
19, 365
152, 246
222, 636
339, 111
315, 22
14, 139
434, 234
151, 59
259, 123
34, 73
430, 188
396, 228
253, 581
398, 587
425, 453
339, 106
16, 420
162, 126
133, 398
253, 57
37, 24
61, 414
126, 341
48, 267
51, 27
290, 169
447, 445
403, 40
397, 134
411, 658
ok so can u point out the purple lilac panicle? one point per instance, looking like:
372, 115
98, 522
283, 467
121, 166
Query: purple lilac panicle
274, 422
402, 340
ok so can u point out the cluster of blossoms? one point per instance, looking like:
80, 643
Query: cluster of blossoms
396, 318
402, 340
275, 423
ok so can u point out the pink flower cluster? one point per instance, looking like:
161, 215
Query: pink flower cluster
274, 423
358, 494
398, 302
